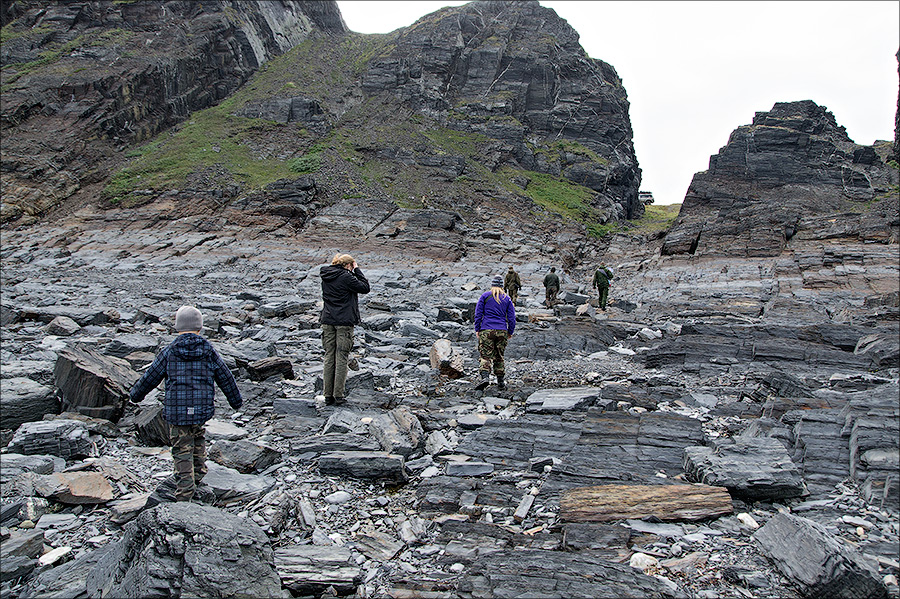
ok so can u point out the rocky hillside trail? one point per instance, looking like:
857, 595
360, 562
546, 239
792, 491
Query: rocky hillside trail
774, 397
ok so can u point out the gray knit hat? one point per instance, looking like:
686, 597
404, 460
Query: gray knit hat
188, 318
497, 281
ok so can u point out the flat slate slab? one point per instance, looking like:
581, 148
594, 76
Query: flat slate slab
541, 573
556, 401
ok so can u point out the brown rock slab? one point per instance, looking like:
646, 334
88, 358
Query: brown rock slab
606, 503
74, 487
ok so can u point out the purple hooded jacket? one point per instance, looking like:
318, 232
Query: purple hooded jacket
491, 315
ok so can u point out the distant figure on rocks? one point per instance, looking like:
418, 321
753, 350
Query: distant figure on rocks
342, 282
191, 367
601, 283
495, 322
511, 284
551, 287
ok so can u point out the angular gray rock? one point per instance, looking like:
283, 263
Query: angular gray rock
576, 575
63, 438
817, 562
24, 400
93, 384
190, 550
755, 468
311, 569
398, 431
244, 456
375, 465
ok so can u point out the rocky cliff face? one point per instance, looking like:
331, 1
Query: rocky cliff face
792, 172
82, 81
515, 72
489, 112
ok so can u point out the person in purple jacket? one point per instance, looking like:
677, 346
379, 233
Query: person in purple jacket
495, 322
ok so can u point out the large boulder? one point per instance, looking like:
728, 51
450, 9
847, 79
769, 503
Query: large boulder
93, 384
188, 550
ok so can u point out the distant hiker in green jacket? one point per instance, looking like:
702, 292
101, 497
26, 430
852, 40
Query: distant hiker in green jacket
511, 284
551, 287
601, 283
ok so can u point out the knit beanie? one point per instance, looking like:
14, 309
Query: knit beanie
188, 318
497, 281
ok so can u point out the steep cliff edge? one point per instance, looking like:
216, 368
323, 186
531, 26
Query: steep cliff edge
792, 173
84, 80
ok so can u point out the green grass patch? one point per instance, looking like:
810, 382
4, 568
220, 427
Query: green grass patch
562, 197
655, 218
210, 137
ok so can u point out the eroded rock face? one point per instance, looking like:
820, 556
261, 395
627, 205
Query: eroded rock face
123, 71
792, 172
515, 71
188, 549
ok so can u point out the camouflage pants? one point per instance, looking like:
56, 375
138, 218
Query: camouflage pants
491, 345
550, 296
189, 457
513, 294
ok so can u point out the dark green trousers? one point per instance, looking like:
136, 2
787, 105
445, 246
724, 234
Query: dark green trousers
337, 341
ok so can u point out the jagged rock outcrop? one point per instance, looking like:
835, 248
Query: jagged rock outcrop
83, 80
792, 172
516, 73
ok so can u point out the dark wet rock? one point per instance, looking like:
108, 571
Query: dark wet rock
263, 369
468, 468
93, 384
816, 561
755, 468
63, 438
24, 400
583, 574
609, 540
244, 456
375, 465
95, 426
23, 544
196, 549
150, 426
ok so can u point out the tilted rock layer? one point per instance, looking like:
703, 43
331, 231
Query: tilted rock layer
792, 172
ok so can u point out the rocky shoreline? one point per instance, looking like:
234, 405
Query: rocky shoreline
569, 483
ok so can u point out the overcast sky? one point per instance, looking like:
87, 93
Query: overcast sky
695, 71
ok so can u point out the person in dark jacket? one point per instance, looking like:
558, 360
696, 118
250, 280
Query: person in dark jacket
342, 281
511, 284
191, 367
495, 322
551, 287
601, 283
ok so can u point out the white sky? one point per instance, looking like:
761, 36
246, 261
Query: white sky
695, 71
